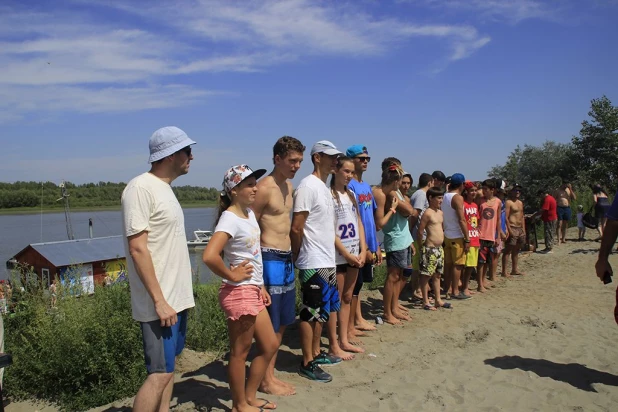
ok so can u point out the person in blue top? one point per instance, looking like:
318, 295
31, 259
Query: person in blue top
366, 208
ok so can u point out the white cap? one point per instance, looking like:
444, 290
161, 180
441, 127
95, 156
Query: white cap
166, 141
326, 147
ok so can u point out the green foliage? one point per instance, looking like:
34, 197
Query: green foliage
596, 147
537, 167
37, 194
591, 157
206, 325
85, 352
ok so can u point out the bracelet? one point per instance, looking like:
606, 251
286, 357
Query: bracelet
393, 210
466, 240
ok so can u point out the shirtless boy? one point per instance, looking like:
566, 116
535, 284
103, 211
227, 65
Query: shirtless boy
432, 255
272, 208
516, 228
564, 195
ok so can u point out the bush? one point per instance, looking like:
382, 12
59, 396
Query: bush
206, 325
85, 352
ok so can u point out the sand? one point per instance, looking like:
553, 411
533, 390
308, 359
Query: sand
541, 342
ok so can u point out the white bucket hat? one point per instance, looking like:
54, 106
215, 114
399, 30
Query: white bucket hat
166, 141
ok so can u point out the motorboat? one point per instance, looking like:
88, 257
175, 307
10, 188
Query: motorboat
201, 239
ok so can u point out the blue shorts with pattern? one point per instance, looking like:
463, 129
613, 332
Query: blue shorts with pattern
320, 294
279, 282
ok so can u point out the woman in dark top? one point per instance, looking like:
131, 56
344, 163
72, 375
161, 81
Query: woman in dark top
601, 207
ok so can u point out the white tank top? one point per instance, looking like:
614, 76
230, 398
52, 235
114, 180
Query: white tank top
347, 226
452, 230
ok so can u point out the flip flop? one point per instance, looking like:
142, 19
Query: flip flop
447, 306
462, 296
429, 307
263, 406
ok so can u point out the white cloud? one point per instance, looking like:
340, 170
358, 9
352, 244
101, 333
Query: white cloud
17, 101
73, 60
512, 11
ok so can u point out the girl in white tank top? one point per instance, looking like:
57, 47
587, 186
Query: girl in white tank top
351, 248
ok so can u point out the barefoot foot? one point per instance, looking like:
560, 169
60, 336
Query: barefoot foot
349, 347
402, 316
277, 389
342, 354
391, 320
365, 326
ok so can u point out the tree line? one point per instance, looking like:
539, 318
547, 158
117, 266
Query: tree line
48, 194
588, 159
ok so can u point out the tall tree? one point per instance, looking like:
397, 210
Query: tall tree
537, 167
596, 147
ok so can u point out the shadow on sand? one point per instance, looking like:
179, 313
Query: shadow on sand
574, 374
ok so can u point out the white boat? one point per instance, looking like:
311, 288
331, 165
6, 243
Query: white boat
202, 237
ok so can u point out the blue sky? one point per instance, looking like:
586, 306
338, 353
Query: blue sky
441, 84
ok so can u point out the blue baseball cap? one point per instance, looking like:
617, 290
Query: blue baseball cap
356, 150
457, 179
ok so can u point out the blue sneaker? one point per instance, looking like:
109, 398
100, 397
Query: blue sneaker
326, 360
314, 372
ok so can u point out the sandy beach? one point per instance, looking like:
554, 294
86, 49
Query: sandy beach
541, 342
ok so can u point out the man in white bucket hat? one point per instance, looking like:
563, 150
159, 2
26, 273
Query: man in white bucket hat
158, 262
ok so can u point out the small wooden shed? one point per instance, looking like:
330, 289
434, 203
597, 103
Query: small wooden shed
95, 259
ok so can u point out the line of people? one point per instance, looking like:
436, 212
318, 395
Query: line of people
331, 239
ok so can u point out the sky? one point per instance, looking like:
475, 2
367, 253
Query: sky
451, 85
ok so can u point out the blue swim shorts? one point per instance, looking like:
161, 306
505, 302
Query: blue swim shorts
564, 213
163, 344
320, 294
279, 282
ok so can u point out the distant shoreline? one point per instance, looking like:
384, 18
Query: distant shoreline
37, 210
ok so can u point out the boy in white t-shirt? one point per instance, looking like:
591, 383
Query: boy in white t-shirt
313, 247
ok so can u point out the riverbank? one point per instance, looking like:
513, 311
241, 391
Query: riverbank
37, 210
543, 341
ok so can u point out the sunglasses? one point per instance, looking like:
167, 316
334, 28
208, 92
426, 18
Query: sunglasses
364, 159
186, 150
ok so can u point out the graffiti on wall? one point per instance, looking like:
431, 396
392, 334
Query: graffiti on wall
116, 270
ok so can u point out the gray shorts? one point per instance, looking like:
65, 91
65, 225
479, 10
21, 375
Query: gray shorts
399, 258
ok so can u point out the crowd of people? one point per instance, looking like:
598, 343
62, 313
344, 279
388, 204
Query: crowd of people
449, 231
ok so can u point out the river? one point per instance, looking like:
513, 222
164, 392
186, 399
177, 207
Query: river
18, 231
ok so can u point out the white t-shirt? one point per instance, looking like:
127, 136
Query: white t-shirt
419, 202
318, 244
347, 226
244, 244
149, 204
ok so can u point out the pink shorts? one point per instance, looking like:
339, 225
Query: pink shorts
237, 301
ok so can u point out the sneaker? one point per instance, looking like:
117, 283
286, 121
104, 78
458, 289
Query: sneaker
314, 372
325, 359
